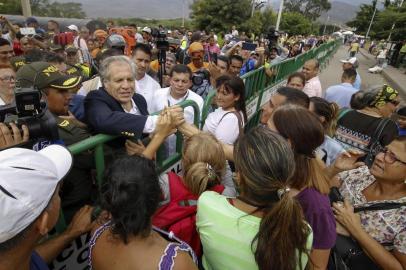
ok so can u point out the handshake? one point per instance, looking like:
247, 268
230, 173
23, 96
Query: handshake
169, 120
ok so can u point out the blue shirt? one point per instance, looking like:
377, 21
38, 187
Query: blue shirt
357, 83
340, 94
248, 66
37, 263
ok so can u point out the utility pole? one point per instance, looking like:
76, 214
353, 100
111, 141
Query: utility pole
25, 4
183, 13
325, 25
278, 21
393, 25
372, 20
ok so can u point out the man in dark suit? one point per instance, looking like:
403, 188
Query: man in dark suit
115, 108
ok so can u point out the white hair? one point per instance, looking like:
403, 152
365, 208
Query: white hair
106, 65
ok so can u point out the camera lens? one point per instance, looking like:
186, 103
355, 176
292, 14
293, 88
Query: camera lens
197, 80
43, 127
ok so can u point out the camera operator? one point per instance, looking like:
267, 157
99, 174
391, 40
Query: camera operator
57, 88
9, 138
200, 69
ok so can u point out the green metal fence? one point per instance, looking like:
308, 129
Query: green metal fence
258, 86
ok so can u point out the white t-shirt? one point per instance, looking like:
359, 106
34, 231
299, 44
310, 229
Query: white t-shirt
223, 125
162, 99
313, 87
85, 56
2, 102
147, 87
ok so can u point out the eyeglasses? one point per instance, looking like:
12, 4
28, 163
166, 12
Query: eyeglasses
8, 78
390, 157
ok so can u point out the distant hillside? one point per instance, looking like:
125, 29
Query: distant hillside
341, 12
146, 9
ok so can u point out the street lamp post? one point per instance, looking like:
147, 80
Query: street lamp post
372, 20
278, 21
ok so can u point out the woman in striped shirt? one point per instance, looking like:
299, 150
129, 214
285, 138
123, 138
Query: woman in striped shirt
262, 228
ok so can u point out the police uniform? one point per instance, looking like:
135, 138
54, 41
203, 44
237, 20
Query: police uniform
77, 187
17, 62
78, 70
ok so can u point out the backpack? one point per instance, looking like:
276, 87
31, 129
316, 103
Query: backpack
179, 214
64, 39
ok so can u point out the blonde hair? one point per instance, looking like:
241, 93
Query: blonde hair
203, 162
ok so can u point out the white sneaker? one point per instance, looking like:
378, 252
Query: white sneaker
375, 69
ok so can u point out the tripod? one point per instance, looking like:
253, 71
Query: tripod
161, 61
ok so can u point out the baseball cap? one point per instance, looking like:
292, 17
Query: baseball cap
31, 20
28, 180
55, 47
43, 74
147, 30
71, 48
73, 28
353, 61
196, 47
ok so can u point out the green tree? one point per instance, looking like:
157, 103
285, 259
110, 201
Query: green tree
363, 18
392, 15
10, 7
311, 9
45, 8
220, 15
260, 22
296, 23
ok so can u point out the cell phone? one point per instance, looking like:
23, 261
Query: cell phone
27, 31
214, 58
249, 46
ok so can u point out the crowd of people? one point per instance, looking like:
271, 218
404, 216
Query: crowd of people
320, 183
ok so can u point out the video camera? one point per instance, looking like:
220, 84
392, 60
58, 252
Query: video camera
272, 37
162, 45
161, 40
30, 111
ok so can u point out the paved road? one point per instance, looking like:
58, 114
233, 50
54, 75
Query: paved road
332, 73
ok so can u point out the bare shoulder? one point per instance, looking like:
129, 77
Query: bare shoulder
183, 261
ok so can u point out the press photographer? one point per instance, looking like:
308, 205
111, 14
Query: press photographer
201, 75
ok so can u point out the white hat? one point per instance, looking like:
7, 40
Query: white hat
353, 61
147, 29
28, 180
73, 28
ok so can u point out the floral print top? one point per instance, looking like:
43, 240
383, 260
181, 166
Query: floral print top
388, 227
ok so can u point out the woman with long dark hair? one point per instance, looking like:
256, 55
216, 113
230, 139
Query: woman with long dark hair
262, 228
310, 184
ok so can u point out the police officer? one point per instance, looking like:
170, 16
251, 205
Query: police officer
74, 67
57, 88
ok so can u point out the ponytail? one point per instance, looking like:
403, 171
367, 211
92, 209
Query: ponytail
200, 177
203, 162
265, 162
282, 237
335, 111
